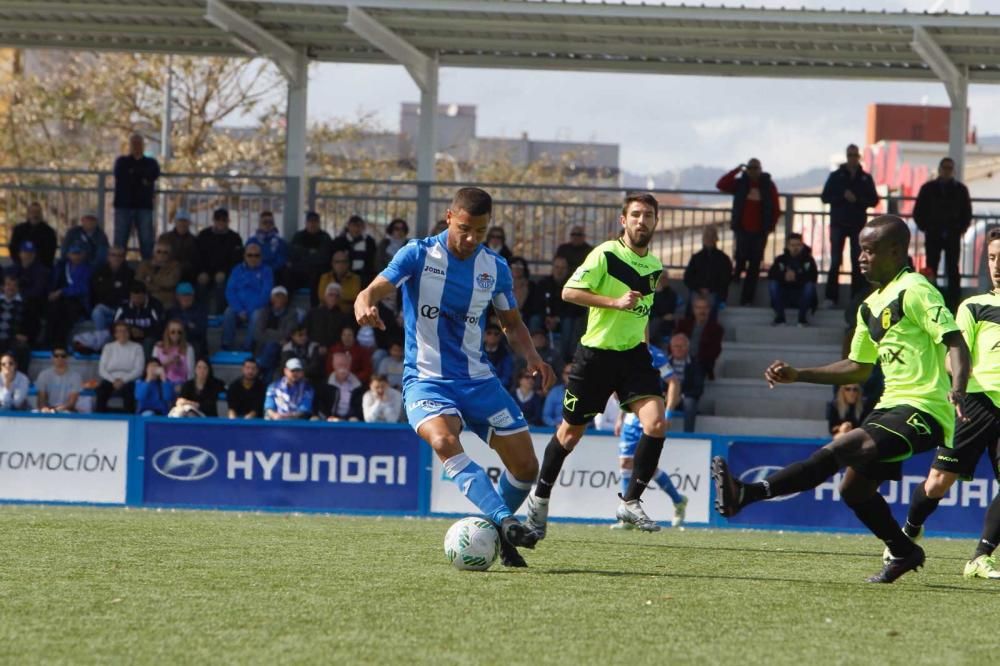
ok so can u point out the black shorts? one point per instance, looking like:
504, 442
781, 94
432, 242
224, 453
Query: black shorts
597, 373
899, 433
972, 438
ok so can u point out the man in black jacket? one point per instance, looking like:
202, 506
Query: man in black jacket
708, 271
360, 248
144, 316
219, 250
944, 212
792, 280
109, 288
135, 187
309, 256
850, 192
36, 231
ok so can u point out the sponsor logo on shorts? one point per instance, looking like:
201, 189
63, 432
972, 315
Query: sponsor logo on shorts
502, 419
485, 281
758, 474
569, 401
426, 405
917, 422
947, 459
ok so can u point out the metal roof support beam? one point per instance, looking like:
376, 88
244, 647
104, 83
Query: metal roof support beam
295, 145
252, 38
423, 70
956, 82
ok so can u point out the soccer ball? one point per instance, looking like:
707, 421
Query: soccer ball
472, 544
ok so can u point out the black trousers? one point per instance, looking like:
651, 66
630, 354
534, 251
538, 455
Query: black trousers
106, 389
838, 237
951, 244
749, 253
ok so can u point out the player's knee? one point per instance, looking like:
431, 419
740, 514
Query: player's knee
938, 483
625, 463
853, 448
656, 428
524, 470
569, 435
445, 444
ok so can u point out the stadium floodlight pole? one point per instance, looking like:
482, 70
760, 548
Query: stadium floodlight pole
423, 69
956, 82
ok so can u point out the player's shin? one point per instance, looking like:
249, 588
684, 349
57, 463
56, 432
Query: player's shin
647, 457
874, 512
513, 491
626, 478
990, 538
552, 463
794, 478
472, 480
921, 507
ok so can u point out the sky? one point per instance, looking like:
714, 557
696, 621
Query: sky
677, 121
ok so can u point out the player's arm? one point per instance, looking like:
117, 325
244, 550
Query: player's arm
847, 371
960, 362
520, 342
937, 321
366, 304
587, 298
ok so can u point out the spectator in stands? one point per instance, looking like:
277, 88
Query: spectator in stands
391, 366
576, 250
273, 247
396, 234
524, 288
359, 355
944, 212
301, 347
14, 386
144, 316
756, 209
34, 230
175, 354
381, 403
439, 227
850, 192
161, 274
845, 412
496, 240
69, 296
346, 392
309, 255
90, 235
663, 314
109, 288
792, 281
154, 395
360, 249
135, 188
183, 245
325, 321
14, 327
199, 396
290, 397
557, 316
34, 280
498, 354
220, 250
120, 366
709, 270
58, 386
349, 281
247, 290
552, 408
527, 398
691, 377
704, 335
540, 339
192, 315
245, 396
272, 326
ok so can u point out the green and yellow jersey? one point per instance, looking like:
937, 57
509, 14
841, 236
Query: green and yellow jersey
612, 269
901, 326
979, 320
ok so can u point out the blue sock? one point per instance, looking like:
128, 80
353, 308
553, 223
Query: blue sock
666, 485
512, 491
626, 477
472, 481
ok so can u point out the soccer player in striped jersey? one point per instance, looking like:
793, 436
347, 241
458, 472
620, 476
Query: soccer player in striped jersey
629, 428
979, 320
448, 282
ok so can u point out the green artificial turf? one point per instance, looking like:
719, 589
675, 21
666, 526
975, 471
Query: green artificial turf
137, 586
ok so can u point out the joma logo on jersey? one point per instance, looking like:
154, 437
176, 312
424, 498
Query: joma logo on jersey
433, 269
889, 356
485, 281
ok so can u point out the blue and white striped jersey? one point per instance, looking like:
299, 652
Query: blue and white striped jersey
444, 303
631, 428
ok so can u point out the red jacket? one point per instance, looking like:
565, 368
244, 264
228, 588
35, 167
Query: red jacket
747, 211
711, 342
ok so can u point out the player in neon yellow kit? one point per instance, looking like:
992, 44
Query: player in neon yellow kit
905, 326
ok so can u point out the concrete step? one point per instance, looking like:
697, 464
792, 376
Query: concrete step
781, 407
761, 427
783, 336
741, 316
748, 361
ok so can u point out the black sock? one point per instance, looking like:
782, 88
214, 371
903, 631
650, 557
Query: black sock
794, 478
991, 530
874, 512
645, 462
921, 507
552, 464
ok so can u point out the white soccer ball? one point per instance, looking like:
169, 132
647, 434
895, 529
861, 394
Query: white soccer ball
472, 544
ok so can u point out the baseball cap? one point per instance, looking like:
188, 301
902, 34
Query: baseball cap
185, 289
333, 286
293, 364
279, 290
27, 246
91, 213
182, 214
77, 248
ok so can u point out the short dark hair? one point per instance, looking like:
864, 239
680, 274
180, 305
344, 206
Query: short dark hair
137, 287
398, 222
355, 219
494, 327
794, 236
473, 200
220, 214
993, 234
946, 159
641, 197
250, 359
380, 378
893, 229
312, 215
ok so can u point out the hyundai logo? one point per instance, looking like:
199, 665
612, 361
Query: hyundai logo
184, 462
758, 474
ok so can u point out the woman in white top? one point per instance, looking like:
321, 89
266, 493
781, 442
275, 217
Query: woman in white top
122, 362
14, 385
175, 354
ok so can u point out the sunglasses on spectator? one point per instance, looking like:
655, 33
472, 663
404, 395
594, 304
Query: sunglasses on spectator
851, 389
340, 261
160, 252
253, 256
60, 355
576, 233
175, 331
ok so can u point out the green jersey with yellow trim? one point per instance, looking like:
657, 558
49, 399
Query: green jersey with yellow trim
612, 269
901, 326
979, 320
